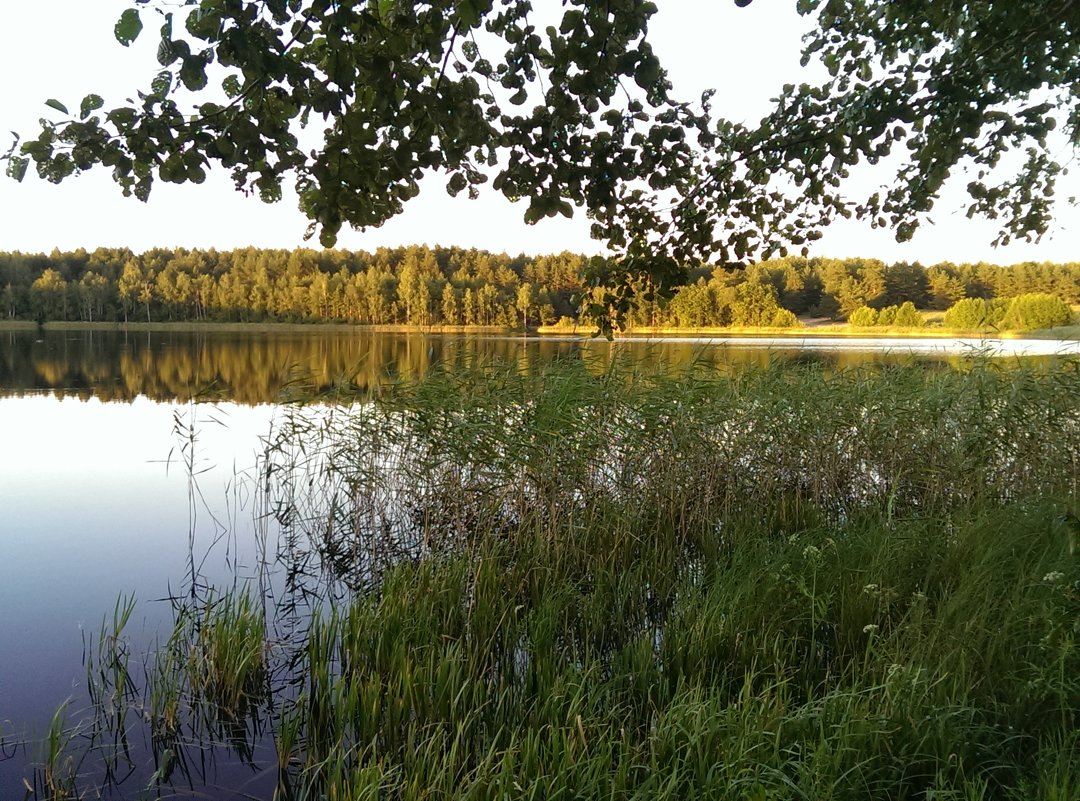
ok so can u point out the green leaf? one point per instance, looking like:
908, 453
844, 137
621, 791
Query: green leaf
231, 85
166, 53
193, 73
162, 84
647, 72
122, 117
16, 167
90, 104
56, 104
468, 13
128, 27
534, 213
456, 184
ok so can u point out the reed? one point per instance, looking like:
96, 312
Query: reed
56, 776
112, 689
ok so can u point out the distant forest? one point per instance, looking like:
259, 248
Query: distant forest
423, 286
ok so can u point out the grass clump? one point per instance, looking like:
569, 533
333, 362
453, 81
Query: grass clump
894, 659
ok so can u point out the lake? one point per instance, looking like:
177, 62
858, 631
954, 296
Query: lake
128, 457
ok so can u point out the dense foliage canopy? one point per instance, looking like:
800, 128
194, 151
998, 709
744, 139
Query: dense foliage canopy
357, 101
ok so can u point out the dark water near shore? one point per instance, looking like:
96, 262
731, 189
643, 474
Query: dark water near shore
101, 434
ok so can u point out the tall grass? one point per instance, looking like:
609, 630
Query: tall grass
777, 584
112, 689
466, 455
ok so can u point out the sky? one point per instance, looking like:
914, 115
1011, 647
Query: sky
65, 49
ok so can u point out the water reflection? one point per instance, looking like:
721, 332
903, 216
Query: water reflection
257, 367
95, 501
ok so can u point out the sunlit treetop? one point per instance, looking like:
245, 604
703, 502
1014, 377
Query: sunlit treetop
355, 102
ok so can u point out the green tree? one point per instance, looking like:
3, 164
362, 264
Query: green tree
49, 296
7, 301
905, 281
755, 304
135, 286
93, 290
693, 306
944, 287
451, 307
469, 312
487, 305
525, 302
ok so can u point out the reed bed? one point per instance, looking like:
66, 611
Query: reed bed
773, 584
696, 459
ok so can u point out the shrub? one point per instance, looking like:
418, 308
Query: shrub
1037, 310
903, 316
996, 310
1022, 313
967, 314
863, 317
908, 317
784, 318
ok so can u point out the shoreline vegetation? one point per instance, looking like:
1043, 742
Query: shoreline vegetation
808, 329
453, 289
781, 583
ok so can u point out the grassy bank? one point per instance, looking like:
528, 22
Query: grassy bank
779, 584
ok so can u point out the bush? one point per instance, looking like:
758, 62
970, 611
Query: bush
996, 310
903, 316
1022, 313
1037, 310
967, 314
784, 318
863, 317
908, 317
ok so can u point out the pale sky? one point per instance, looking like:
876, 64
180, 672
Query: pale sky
65, 49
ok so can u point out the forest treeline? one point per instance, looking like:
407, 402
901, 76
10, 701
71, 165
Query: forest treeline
424, 286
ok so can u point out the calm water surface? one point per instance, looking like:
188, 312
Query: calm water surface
101, 432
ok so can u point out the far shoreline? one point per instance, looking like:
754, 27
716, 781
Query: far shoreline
749, 336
